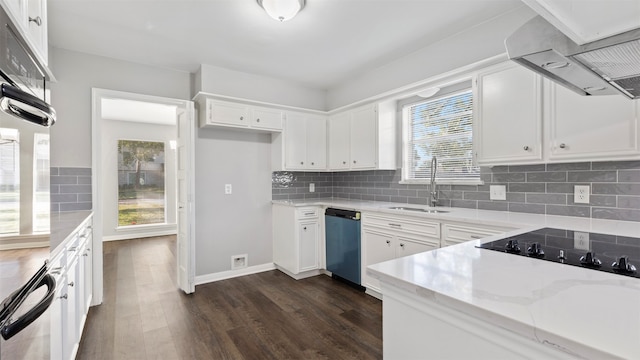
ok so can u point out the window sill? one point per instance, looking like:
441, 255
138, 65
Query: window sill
146, 227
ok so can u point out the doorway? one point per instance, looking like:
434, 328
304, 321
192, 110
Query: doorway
142, 174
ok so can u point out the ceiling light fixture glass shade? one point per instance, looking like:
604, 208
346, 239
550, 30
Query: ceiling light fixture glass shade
282, 10
427, 93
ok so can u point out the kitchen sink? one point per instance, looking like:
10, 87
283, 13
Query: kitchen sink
428, 211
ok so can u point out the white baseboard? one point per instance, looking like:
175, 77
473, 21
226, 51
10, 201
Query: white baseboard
24, 242
223, 275
139, 235
302, 275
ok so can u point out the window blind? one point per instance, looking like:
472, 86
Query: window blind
442, 127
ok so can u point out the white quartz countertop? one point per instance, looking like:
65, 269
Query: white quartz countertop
591, 314
487, 217
62, 225
588, 313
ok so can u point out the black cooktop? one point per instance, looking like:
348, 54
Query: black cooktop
602, 252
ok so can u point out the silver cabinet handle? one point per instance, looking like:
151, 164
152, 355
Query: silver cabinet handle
526, 148
563, 145
36, 20
63, 296
388, 242
85, 254
258, 120
73, 248
344, 163
312, 163
476, 237
309, 214
301, 162
395, 225
304, 228
71, 284
241, 117
354, 161
56, 270
402, 245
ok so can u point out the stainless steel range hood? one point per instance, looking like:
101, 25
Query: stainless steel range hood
604, 67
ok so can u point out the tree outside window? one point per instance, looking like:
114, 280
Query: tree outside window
141, 183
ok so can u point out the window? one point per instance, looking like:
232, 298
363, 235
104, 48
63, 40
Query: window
10, 181
41, 206
440, 127
141, 191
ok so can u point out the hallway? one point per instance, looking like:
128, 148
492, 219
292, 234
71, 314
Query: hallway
261, 316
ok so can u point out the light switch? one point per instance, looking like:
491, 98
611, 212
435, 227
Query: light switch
227, 189
498, 192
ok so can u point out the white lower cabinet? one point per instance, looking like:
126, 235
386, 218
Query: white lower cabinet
72, 268
386, 237
296, 239
456, 233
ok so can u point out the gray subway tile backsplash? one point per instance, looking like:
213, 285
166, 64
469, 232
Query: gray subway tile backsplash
538, 189
71, 189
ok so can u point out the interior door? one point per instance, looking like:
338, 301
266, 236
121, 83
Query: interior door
185, 171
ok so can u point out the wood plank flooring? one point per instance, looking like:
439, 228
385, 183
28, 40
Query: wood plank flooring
260, 316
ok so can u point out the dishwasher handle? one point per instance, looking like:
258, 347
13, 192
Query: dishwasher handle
347, 214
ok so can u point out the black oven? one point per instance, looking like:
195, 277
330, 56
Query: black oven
23, 91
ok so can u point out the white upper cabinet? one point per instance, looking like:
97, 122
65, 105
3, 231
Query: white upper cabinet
30, 16
590, 127
215, 112
305, 144
340, 141
363, 138
508, 115
513, 106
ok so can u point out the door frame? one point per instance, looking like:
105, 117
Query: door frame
97, 94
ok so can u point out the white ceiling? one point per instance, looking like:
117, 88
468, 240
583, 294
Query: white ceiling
329, 41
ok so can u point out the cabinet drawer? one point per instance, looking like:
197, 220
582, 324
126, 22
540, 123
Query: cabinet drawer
456, 234
308, 212
409, 224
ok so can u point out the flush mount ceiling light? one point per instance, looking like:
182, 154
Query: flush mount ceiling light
282, 10
427, 93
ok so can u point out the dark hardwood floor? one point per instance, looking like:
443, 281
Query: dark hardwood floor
260, 316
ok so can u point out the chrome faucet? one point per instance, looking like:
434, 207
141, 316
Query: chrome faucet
433, 193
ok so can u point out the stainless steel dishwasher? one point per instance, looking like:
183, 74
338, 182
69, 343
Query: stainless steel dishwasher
343, 250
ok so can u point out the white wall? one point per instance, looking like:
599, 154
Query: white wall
239, 223
76, 73
221, 81
472, 45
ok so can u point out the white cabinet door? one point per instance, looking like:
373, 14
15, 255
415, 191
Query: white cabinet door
364, 133
221, 112
377, 247
316, 142
37, 26
591, 127
308, 237
71, 330
339, 141
266, 118
295, 138
508, 116
57, 313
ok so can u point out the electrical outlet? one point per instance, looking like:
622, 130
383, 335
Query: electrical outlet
312, 187
497, 192
581, 194
581, 240
227, 189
